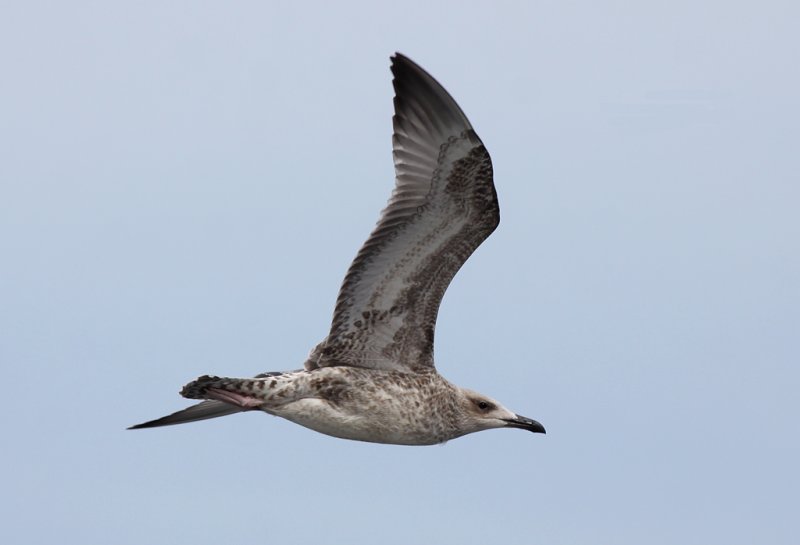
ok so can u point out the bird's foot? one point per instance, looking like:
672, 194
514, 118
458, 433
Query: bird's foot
228, 390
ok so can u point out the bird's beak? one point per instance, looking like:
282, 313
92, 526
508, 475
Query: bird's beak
525, 424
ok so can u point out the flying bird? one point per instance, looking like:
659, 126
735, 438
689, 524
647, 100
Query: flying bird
373, 377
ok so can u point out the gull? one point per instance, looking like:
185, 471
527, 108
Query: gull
373, 377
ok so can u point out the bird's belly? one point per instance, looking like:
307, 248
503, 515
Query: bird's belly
324, 417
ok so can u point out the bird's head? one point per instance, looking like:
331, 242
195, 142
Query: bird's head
484, 413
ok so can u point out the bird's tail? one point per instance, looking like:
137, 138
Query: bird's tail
218, 401
201, 411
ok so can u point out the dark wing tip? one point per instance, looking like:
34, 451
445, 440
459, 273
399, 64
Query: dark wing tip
423, 100
157, 423
151, 424
200, 411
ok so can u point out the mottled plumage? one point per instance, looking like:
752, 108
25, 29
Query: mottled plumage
373, 377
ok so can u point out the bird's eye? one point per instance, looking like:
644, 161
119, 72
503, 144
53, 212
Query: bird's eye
483, 405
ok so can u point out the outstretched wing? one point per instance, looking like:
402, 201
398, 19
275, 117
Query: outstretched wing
201, 411
443, 206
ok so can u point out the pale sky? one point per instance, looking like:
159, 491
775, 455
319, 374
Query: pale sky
183, 185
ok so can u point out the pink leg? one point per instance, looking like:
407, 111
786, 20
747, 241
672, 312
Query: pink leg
234, 398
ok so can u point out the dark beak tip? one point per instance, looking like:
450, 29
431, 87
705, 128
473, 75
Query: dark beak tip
526, 423
536, 427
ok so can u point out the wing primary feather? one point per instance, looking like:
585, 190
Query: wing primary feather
443, 206
201, 411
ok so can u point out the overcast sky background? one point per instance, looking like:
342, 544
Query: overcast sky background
184, 184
